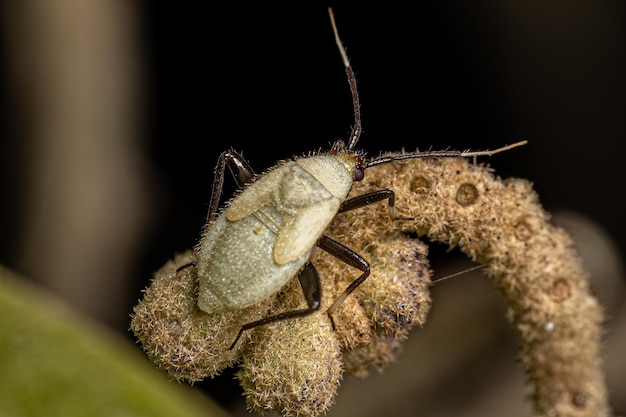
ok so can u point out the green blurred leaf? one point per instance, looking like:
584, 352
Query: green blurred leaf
55, 363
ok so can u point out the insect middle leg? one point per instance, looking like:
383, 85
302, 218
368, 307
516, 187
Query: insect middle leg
346, 254
312, 289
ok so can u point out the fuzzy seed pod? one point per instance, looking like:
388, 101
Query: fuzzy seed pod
176, 335
294, 367
501, 223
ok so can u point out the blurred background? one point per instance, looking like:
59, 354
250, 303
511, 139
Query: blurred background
113, 114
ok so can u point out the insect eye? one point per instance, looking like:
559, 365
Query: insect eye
358, 174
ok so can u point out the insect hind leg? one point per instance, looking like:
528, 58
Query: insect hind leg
312, 290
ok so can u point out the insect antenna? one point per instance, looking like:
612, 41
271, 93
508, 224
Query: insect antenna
356, 128
443, 154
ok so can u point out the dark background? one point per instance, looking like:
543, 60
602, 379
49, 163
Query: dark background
269, 81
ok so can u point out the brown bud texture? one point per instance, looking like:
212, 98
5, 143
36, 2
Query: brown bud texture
294, 367
501, 223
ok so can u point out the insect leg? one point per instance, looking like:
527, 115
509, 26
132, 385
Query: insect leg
239, 168
347, 255
371, 198
312, 290
187, 265
242, 173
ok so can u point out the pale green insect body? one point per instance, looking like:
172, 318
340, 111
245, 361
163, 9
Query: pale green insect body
266, 234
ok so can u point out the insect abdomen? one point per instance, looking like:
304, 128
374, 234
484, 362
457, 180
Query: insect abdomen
236, 267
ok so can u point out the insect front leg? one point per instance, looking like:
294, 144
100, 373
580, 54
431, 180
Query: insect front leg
242, 173
348, 256
312, 290
371, 198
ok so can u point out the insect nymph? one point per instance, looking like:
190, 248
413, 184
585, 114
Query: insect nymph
265, 235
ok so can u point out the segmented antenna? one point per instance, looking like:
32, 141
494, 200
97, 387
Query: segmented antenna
356, 129
443, 154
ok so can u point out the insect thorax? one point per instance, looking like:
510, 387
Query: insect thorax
334, 172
